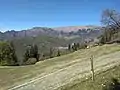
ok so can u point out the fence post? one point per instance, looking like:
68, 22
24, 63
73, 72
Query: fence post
92, 68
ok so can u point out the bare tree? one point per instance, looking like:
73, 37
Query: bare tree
111, 18
111, 22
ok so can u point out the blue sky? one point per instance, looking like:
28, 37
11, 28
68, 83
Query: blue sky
23, 14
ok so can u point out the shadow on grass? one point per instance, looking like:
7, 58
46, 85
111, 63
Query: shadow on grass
113, 85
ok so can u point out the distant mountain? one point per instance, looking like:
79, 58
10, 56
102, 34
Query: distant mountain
75, 28
82, 31
29, 32
87, 33
70, 32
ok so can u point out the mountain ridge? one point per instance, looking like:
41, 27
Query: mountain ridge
35, 31
75, 28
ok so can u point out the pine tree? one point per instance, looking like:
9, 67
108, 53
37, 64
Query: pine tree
13, 53
75, 47
78, 46
51, 53
35, 51
69, 47
26, 55
58, 52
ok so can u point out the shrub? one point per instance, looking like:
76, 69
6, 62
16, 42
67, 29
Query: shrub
31, 61
113, 85
7, 54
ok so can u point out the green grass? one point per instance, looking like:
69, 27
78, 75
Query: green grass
102, 78
14, 75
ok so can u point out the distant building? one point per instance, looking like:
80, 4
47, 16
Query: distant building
61, 48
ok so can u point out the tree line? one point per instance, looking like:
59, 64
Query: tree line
31, 55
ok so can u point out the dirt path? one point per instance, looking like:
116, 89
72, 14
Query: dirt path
63, 76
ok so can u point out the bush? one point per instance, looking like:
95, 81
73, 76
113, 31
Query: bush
113, 85
31, 61
7, 54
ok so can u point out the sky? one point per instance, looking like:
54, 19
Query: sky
24, 14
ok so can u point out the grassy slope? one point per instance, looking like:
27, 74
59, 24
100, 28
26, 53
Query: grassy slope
12, 76
100, 79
